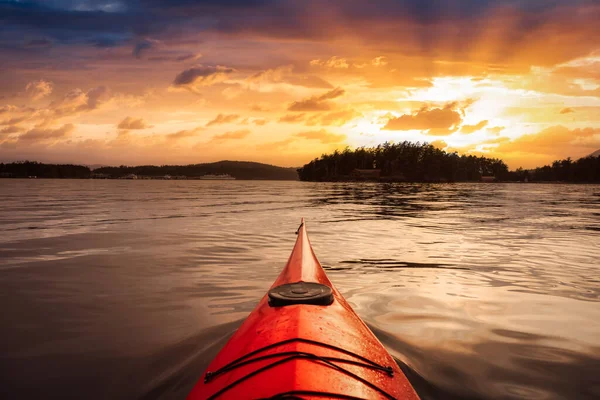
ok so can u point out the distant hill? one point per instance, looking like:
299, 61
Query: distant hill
238, 169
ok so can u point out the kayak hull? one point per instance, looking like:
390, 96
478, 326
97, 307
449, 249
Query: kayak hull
289, 349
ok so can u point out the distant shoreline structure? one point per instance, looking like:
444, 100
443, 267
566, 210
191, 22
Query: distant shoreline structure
214, 177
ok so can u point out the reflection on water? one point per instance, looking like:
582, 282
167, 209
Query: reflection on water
127, 289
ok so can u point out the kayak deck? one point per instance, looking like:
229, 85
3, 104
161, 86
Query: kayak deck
303, 350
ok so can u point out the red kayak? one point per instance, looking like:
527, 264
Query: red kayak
303, 341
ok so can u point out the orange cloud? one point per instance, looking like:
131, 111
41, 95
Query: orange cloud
285, 75
39, 89
333, 62
39, 133
201, 75
133, 123
439, 144
467, 129
260, 122
77, 101
567, 110
223, 119
317, 103
495, 130
183, 134
292, 118
380, 61
234, 135
437, 121
11, 129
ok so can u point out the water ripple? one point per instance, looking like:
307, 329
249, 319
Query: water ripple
124, 289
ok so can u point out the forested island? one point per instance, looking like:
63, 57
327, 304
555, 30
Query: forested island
235, 169
422, 162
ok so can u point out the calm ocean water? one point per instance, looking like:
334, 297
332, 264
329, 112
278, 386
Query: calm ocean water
127, 289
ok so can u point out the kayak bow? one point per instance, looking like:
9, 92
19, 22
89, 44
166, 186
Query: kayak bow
303, 341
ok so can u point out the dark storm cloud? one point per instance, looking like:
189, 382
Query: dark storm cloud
142, 47
428, 27
202, 75
271, 17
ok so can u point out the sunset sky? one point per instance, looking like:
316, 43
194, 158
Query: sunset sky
283, 81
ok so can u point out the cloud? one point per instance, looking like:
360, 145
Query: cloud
12, 115
292, 118
436, 121
77, 101
323, 136
39, 89
188, 57
272, 75
8, 108
501, 44
336, 118
567, 110
11, 129
333, 62
495, 130
380, 61
234, 135
439, 144
285, 75
260, 122
142, 47
259, 108
494, 32
308, 81
223, 119
200, 75
179, 58
467, 129
317, 103
133, 123
39, 133
332, 94
183, 134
